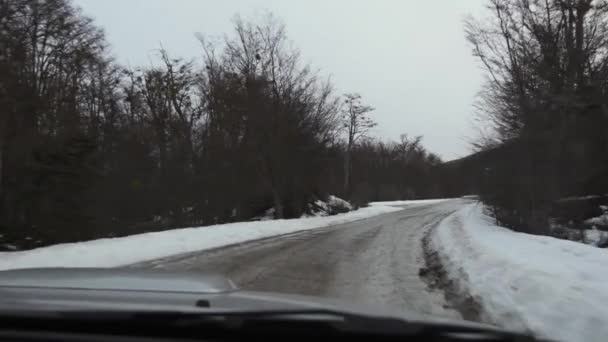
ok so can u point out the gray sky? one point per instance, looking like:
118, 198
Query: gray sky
407, 58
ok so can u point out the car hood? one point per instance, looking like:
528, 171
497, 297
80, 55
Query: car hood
162, 291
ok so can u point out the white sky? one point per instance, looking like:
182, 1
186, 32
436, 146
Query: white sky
407, 58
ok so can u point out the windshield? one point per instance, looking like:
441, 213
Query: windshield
446, 158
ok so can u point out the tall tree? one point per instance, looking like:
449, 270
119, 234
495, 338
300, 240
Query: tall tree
282, 115
49, 53
357, 124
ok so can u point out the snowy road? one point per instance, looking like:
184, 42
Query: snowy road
376, 260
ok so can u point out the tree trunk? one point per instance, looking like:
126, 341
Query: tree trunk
273, 183
1, 169
347, 158
278, 204
583, 8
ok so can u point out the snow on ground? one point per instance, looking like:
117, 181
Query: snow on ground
595, 237
138, 248
591, 236
267, 216
554, 288
601, 220
579, 198
335, 202
410, 202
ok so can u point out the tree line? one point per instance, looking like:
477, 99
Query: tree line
90, 148
545, 98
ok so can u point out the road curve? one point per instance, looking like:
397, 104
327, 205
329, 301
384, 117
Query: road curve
376, 261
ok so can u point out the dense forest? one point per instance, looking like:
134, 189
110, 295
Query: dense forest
90, 148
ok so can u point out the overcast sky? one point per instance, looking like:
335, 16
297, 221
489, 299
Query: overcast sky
407, 58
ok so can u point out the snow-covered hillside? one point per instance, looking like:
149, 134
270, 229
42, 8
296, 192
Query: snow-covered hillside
554, 288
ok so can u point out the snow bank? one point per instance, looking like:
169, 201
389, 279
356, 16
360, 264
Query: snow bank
138, 248
411, 202
554, 288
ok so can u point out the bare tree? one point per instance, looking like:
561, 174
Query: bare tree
542, 57
357, 124
278, 112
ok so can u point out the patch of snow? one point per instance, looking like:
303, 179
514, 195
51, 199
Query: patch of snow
267, 216
138, 248
551, 287
580, 198
334, 205
601, 220
9, 247
410, 202
316, 211
595, 237
321, 205
333, 201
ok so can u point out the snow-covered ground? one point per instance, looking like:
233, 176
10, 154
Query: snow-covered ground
601, 220
138, 248
410, 202
554, 288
